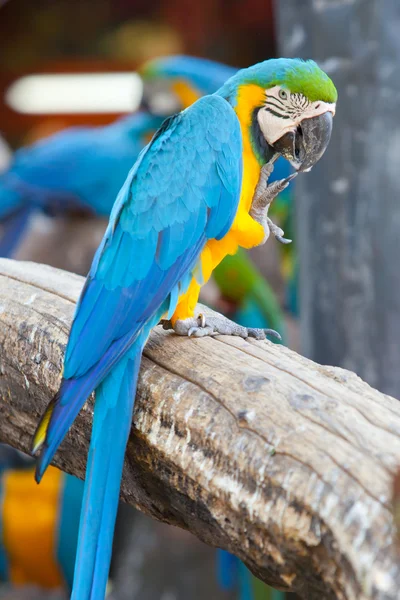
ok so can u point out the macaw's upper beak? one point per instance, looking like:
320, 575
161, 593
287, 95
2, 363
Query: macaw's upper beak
305, 146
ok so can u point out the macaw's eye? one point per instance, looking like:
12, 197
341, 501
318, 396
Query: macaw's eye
282, 94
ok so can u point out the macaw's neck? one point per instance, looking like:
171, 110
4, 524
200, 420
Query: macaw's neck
256, 151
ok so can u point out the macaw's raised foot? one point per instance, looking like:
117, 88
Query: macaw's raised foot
263, 196
203, 325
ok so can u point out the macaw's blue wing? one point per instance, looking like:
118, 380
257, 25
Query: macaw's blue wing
183, 190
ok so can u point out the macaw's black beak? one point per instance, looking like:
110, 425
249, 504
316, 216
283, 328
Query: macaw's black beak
158, 99
305, 146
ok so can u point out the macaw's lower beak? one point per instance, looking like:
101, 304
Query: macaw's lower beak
305, 146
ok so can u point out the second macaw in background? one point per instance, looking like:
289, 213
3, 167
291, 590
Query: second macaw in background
197, 192
78, 169
173, 83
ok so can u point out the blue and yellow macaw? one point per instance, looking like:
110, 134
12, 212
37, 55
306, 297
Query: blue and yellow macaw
78, 169
197, 192
38, 525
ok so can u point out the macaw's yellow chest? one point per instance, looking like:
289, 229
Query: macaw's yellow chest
245, 232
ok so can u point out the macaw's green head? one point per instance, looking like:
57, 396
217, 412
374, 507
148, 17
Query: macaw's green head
294, 112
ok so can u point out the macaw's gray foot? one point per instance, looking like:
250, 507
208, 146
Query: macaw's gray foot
216, 325
263, 196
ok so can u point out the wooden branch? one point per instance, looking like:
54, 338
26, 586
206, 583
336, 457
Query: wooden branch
251, 447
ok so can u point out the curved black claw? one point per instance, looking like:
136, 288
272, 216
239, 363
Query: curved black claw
283, 240
261, 334
277, 232
273, 333
292, 176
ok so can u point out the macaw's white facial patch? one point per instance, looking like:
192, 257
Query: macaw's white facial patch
283, 111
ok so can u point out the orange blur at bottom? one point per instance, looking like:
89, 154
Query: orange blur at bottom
30, 514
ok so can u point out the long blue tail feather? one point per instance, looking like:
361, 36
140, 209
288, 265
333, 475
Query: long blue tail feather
115, 398
65, 406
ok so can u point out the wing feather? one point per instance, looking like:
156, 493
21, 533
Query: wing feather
183, 190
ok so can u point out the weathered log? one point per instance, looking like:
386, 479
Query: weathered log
253, 448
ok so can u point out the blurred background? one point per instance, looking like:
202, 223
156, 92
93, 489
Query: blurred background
68, 36
334, 293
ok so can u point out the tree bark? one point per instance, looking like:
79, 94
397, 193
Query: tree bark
251, 447
348, 211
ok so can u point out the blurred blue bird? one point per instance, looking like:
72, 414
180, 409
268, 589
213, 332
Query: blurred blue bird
80, 169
